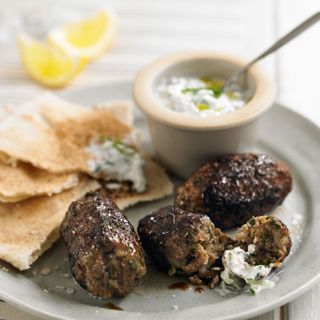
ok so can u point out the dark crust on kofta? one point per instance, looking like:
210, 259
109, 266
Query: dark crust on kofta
183, 243
105, 254
233, 188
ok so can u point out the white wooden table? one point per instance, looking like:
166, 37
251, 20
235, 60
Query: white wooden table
151, 28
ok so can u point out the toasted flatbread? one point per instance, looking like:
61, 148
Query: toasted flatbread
121, 109
49, 104
30, 227
24, 181
53, 139
158, 186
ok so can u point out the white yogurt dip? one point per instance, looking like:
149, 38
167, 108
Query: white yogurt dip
197, 96
114, 160
239, 275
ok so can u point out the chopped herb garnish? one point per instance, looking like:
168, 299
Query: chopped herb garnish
118, 144
265, 237
252, 221
123, 148
232, 95
102, 139
216, 91
215, 86
192, 90
203, 107
252, 291
275, 224
213, 83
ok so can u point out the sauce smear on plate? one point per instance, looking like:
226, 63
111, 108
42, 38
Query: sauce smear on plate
112, 306
182, 285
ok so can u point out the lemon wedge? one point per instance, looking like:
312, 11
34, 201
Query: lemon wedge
48, 65
88, 38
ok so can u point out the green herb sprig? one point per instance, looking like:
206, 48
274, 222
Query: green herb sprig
120, 145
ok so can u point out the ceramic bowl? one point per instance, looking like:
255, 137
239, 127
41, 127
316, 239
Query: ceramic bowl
183, 141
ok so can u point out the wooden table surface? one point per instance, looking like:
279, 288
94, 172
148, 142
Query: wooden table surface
148, 29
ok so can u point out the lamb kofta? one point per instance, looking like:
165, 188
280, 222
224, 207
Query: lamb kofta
262, 245
270, 237
105, 254
184, 243
233, 188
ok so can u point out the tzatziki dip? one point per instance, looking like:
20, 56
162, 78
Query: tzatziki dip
239, 275
200, 97
115, 160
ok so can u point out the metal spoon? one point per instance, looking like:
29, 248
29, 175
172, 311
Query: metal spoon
231, 81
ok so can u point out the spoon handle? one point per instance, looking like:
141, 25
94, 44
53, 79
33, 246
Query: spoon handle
282, 41
288, 37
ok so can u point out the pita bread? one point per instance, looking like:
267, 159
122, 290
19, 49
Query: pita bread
25, 181
158, 186
53, 137
48, 104
30, 227
122, 110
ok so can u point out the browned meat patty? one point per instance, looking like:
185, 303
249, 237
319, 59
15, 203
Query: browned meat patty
271, 238
234, 188
105, 254
183, 243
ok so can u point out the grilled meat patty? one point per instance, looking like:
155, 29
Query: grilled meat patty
184, 243
105, 254
270, 237
236, 187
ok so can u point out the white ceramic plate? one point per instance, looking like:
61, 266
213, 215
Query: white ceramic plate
283, 134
